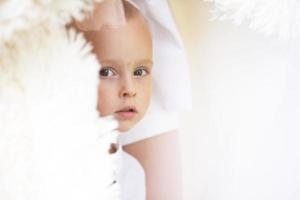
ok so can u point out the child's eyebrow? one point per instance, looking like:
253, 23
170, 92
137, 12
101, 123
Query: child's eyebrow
109, 61
146, 61
143, 61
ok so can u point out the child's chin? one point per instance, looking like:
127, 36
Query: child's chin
125, 127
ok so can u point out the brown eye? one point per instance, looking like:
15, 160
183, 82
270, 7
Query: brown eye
106, 72
140, 72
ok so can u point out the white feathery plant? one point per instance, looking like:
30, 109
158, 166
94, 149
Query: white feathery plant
18, 15
280, 18
53, 145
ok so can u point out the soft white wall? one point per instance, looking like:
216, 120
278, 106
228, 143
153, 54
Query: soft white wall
240, 141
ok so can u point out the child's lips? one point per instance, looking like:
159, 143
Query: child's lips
127, 112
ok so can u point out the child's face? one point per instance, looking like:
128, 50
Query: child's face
125, 54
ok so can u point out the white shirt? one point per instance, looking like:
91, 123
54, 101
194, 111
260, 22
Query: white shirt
129, 175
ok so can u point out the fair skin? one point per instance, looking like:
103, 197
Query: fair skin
123, 83
161, 160
125, 54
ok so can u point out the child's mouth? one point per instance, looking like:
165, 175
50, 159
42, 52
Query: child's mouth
127, 112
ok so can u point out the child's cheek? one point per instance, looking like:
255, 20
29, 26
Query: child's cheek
104, 107
106, 98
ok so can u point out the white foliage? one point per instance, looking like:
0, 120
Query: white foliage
50, 144
18, 15
53, 145
271, 17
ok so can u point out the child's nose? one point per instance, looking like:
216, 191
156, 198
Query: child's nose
128, 88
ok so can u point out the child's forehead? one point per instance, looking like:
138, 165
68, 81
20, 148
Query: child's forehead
130, 43
108, 34
110, 14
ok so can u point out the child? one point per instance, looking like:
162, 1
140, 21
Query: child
158, 153
125, 54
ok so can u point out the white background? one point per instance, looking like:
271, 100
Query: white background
241, 140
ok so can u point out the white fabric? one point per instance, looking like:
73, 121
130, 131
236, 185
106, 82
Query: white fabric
156, 121
171, 86
129, 176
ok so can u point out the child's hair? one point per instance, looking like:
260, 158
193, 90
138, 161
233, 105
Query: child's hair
130, 11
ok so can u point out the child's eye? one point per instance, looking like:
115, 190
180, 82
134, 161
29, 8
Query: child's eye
106, 72
140, 72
